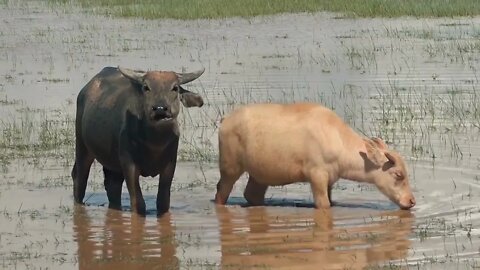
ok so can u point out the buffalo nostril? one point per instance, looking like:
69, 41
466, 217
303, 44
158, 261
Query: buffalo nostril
159, 108
412, 202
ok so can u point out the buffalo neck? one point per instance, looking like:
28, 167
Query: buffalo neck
159, 133
352, 162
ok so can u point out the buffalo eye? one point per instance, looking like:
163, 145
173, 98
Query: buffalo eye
145, 87
176, 88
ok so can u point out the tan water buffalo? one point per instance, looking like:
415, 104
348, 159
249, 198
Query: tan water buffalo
126, 120
281, 144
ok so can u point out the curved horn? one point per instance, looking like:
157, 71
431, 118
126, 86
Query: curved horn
188, 77
132, 74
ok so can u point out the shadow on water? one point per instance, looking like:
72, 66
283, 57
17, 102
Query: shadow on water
120, 240
289, 202
283, 238
100, 199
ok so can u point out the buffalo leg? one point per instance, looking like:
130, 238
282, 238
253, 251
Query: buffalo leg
165, 180
113, 185
255, 192
230, 167
80, 171
132, 175
330, 194
319, 184
225, 185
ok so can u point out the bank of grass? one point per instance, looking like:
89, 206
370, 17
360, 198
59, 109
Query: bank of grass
210, 9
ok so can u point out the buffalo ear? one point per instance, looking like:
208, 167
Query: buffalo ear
134, 75
391, 158
190, 99
374, 153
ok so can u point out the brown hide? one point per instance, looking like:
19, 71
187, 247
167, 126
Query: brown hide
126, 120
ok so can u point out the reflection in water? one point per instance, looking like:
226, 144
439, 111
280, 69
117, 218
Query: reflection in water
123, 241
278, 237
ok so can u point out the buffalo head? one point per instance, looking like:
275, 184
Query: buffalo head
162, 92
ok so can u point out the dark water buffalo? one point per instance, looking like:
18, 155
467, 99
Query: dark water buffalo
126, 120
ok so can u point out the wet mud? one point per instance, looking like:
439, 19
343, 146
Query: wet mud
410, 81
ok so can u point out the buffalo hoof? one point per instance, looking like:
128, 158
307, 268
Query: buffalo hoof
115, 206
79, 202
161, 214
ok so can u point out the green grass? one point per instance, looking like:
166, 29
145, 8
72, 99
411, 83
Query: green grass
209, 9
36, 135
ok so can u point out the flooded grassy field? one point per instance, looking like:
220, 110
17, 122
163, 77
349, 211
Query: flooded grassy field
410, 81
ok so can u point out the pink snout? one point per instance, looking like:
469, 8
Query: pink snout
407, 203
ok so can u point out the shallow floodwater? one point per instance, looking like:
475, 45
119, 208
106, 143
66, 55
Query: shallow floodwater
410, 81
42, 229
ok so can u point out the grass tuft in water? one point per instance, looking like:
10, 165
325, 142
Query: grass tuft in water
36, 135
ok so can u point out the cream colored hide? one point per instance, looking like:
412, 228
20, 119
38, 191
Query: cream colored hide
282, 144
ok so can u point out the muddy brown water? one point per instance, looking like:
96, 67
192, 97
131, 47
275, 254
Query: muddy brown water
411, 81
